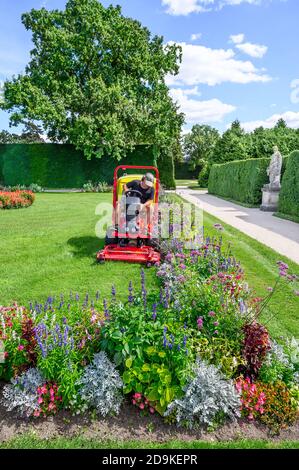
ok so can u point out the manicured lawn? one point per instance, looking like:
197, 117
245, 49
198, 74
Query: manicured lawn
31, 442
192, 184
50, 248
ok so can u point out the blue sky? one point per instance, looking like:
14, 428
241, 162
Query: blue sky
240, 57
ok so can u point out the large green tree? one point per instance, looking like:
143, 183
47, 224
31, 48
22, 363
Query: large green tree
233, 145
97, 80
199, 144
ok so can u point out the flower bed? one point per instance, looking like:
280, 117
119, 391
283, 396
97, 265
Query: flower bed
195, 352
16, 199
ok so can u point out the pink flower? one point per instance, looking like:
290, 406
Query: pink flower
212, 314
36, 413
134, 402
51, 406
216, 323
152, 411
40, 401
21, 347
137, 395
141, 406
6, 354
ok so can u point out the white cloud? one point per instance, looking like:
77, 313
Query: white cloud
238, 2
185, 7
237, 38
192, 91
195, 36
295, 93
195, 110
290, 117
214, 66
254, 50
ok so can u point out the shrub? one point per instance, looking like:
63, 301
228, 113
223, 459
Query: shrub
277, 367
203, 176
18, 339
253, 398
150, 349
289, 194
272, 404
241, 180
100, 386
101, 187
16, 199
256, 344
22, 394
206, 396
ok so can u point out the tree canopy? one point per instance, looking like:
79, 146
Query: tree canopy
199, 144
96, 79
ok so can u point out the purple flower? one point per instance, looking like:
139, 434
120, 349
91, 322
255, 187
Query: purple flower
212, 314
97, 295
216, 323
282, 273
106, 311
200, 322
282, 265
113, 292
270, 289
77, 297
154, 315
216, 332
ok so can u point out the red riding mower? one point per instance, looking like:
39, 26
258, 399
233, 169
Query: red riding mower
133, 239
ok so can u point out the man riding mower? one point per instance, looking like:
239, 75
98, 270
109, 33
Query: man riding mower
135, 217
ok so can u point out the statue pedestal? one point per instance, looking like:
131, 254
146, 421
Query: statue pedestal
270, 198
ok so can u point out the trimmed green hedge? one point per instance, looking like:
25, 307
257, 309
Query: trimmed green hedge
240, 180
289, 194
62, 166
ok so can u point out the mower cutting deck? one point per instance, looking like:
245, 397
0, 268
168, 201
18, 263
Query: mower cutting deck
133, 254
131, 242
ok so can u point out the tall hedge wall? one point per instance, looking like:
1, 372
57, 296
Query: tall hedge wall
289, 194
241, 180
62, 166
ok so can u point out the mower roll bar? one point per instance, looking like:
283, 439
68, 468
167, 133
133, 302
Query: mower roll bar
133, 167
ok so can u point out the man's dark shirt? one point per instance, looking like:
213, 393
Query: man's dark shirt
147, 194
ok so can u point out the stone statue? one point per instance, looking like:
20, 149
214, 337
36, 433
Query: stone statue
274, 169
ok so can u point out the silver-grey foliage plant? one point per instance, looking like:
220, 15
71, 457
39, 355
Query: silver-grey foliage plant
206, 396
100, 386
21, 394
